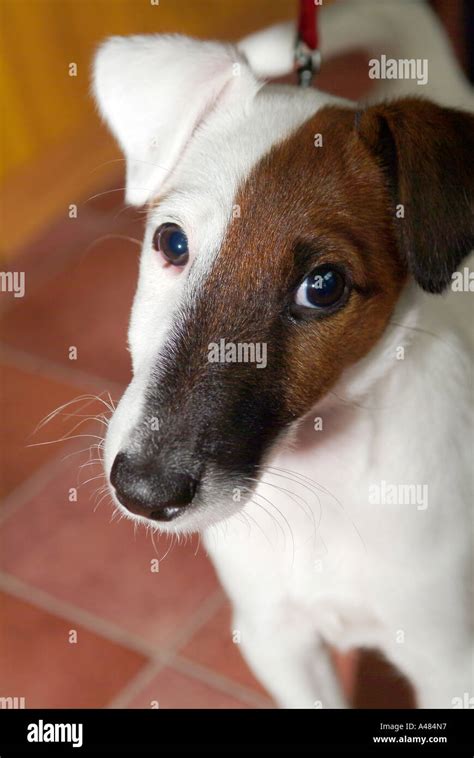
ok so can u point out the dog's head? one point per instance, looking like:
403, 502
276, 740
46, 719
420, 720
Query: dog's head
282, 228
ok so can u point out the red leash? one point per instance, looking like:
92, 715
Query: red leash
307, 28
307, 55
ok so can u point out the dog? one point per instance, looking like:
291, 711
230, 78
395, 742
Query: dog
332, 487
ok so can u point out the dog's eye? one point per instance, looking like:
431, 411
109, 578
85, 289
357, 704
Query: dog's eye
325, 287
172, 243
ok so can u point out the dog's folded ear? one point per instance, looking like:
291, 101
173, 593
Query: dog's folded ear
427, 154
155, 90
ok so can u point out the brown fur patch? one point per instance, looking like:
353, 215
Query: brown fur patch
303, 206
332, 202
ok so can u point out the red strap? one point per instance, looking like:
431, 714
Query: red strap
307, 26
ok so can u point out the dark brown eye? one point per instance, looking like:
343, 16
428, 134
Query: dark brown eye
172, 243
324, 288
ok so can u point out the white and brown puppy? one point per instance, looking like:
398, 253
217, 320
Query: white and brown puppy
332, 487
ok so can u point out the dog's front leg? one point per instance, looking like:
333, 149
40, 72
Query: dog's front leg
292, 664
442, 677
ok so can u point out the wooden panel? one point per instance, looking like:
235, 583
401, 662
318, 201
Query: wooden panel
54, 150
67, 172
40, 38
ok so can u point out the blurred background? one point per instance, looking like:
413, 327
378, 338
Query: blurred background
93, 612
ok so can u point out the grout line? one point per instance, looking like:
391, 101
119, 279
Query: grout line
220, 682
35, 363
76, 615
107, 629
200, 617
205, 612
136, 685
155, 661
104, 628
31, 486
191, 669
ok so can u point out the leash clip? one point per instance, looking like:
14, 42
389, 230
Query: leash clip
307, 62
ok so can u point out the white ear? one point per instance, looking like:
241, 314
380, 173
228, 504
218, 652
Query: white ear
153, 91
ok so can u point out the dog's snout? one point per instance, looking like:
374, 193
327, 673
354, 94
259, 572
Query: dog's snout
146, 490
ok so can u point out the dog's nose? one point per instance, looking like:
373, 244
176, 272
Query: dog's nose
147, 491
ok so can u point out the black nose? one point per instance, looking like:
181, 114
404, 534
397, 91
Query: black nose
147, 491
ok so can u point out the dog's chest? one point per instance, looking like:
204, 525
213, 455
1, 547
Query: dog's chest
341, 622
332, 596
297, 583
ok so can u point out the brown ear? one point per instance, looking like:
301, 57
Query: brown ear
427, 154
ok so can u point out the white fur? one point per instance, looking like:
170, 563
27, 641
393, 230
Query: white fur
154, 91
310, 561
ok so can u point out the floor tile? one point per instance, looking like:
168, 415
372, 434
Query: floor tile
212, 646
39, 663
172, 689
77, 554
85, 305
345, 665
26, 398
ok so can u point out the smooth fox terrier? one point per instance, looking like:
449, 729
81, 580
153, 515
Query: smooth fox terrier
285, 217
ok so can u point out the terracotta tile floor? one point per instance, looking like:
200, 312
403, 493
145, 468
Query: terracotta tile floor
142, 635
41, 662
172, 689
65, 562
27, 396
